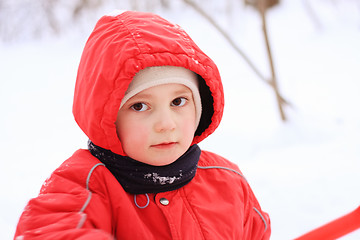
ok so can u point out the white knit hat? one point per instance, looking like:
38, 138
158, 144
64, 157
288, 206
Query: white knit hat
154, 76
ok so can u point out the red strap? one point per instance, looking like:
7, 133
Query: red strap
335, 229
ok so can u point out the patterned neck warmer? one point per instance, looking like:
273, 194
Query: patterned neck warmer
140, 178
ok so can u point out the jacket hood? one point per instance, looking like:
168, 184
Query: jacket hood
119, 47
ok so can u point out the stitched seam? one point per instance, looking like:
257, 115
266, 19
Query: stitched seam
81, 211
223, 168
262, 218
132, 33
90, 173
86, 202
82, 221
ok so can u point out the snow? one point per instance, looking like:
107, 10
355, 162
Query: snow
305, 172
162, 180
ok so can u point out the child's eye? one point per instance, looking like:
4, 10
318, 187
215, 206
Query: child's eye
178, 102
139, 107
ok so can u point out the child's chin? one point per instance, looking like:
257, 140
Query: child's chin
162, 163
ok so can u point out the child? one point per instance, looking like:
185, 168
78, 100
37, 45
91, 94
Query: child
145, 96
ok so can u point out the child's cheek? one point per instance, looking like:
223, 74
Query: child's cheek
188, 130
140, 136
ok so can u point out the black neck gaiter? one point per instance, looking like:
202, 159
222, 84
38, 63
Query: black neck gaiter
140, 178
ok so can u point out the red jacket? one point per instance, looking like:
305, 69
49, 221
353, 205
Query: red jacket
83, 200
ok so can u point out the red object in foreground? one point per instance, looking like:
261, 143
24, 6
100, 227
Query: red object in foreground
335, 229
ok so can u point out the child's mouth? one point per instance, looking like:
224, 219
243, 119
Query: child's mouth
164, 145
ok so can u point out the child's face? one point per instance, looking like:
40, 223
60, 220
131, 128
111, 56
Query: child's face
157, 125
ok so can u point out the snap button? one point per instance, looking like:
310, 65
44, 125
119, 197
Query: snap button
164, 201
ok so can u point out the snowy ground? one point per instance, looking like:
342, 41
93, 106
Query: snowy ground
305, 172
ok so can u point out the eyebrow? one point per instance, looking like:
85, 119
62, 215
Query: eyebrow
142, 95
183, 91
177, 92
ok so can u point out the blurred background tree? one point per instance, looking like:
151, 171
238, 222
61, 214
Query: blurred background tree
28, 19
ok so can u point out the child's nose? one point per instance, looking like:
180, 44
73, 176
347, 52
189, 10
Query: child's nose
165, 121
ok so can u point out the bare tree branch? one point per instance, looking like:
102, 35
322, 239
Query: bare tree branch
49, 7
227, 37
272, 82
262, 9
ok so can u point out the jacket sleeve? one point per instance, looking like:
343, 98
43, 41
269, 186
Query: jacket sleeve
67, 208
257, 225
